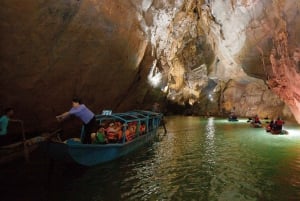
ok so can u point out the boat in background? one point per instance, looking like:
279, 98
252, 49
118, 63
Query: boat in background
256, 125
279, 132
73, 151
233, 118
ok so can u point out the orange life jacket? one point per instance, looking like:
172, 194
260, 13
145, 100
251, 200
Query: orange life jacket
129, 134
279, 122
111, 135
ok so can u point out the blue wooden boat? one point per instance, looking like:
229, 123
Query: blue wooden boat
92, 154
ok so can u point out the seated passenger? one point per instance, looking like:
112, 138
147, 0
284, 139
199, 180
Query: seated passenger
278, 124
130, 133
119, 129
256, 120
270, 126
142, 129
112, 133
232, 115
99, 137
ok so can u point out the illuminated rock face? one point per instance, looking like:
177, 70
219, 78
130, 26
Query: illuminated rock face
210, 53
246, 41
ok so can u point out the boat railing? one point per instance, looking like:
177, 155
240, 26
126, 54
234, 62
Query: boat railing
137, 117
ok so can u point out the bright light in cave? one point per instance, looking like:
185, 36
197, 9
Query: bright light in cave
154, 76
165, 89
210, 97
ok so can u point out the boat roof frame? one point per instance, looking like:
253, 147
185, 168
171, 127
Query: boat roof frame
134, 114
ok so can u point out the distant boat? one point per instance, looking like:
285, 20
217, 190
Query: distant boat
24, 147
256, 125
232, 118
279, 132
92, 154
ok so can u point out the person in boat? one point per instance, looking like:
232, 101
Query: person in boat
85, 115
156, 108
130, 132
142, 128
278, 124
99, 137
4, 123
256, 120
271, 125
112, 133
119, 128
256, 123
232, 115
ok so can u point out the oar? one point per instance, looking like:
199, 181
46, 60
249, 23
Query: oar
26, 151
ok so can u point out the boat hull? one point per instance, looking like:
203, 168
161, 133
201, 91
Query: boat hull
256, 125
93, 154
279, 132
230, 119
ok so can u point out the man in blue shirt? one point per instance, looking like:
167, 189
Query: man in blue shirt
9, 112
86, 115
4, 122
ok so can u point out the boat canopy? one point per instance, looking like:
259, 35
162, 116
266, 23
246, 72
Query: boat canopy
131, 116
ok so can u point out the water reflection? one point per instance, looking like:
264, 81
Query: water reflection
209, 148
199, 159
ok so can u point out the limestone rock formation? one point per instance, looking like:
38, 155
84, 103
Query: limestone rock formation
239, 40
122, 55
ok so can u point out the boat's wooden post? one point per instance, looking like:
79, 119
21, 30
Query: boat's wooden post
147, 125
124, 132
138, 130
82, 134
26, 151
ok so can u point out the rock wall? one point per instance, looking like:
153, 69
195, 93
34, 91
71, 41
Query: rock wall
233, 40
126, 54
54, 50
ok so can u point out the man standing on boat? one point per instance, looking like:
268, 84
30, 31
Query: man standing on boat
86, 116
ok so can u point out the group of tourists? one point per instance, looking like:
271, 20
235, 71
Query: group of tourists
108, 132
275, 125
112, 132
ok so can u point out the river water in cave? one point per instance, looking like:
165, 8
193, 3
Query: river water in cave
198, 159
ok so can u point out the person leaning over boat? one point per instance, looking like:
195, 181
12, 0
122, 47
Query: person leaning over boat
4, 121
85, 114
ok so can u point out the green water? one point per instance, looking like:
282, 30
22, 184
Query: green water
198, 159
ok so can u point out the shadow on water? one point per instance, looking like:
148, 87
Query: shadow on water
43, 179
